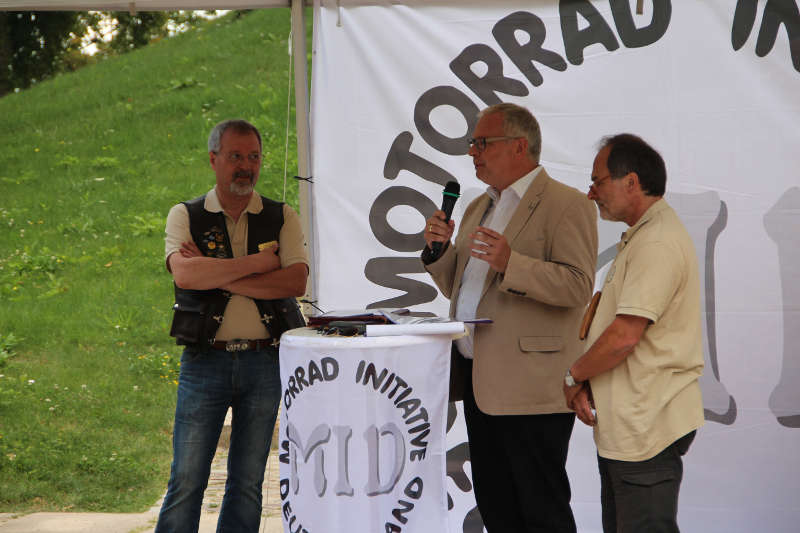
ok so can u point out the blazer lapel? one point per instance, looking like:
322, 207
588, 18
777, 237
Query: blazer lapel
527, 205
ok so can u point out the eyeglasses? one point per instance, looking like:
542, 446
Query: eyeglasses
236, 157
480, 142
597, 181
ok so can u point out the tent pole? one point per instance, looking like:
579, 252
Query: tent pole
303, 143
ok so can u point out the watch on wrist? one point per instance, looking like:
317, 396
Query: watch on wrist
570, 381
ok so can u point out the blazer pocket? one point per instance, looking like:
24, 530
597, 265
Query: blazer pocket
541, 343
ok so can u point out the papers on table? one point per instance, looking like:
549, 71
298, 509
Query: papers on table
445, 327
387, 322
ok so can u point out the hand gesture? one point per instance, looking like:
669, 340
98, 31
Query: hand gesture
492, 247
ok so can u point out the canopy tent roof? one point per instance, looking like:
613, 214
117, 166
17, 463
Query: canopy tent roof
140, 5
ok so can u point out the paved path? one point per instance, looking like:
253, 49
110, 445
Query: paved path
145, 522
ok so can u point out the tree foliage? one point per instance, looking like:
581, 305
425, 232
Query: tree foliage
139, 29
35, 45
32, 44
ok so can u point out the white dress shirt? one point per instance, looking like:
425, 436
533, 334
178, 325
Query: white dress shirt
501, 208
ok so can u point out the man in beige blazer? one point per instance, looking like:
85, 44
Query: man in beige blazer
525, 257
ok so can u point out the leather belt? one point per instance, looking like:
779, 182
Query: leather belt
241, 345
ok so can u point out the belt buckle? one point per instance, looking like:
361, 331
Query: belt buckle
237, 345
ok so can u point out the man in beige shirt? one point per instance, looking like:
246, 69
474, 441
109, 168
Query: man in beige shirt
645, 352
524, 256
238, 260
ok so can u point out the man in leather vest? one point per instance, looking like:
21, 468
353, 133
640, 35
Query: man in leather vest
238, 261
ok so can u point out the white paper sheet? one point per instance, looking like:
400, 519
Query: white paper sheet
437, 328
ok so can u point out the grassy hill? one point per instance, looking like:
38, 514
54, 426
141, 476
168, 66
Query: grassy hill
90, 164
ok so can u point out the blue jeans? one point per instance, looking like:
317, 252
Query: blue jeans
210, 382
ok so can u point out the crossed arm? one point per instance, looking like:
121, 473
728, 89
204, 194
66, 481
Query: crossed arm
257, 275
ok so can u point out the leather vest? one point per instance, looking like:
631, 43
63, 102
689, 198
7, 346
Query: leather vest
198, 314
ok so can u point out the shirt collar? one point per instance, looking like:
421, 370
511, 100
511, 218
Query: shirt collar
648, 215
212, 204
519, 187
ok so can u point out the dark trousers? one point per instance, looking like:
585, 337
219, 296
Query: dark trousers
519, 469
643, 495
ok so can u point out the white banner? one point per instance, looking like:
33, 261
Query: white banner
362, 433
713, 85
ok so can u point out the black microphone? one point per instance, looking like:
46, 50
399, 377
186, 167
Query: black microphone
449, 196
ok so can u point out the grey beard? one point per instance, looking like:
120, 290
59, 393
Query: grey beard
241, 190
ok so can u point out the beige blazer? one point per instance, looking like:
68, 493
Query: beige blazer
537, 305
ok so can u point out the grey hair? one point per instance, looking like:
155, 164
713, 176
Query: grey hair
519, 122
239, 126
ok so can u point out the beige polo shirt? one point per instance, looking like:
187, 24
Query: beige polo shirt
241, 315
653, 397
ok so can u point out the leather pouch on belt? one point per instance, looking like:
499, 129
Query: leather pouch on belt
188, 323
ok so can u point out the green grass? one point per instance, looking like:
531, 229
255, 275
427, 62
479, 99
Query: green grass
90, 164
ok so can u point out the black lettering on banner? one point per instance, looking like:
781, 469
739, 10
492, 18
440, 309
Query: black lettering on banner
409, 406
413, 491
419, 441
372, 374
400, 383
290, 392
384, 271
297, 449
300, 528
776, 13
330, 368
400, 158
445, 95
523, 55
418, 455
287, 399
314, 373
403, 395
744, 17
388, 383
299, 374
399, 512
411, 409
414, 488
284, 455
629, 34
526, 55
422, 415
288, 514
292, 386
328, 372
485, 86
379, 223
577, 40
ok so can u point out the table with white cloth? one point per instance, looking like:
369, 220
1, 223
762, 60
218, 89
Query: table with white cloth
362, 432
